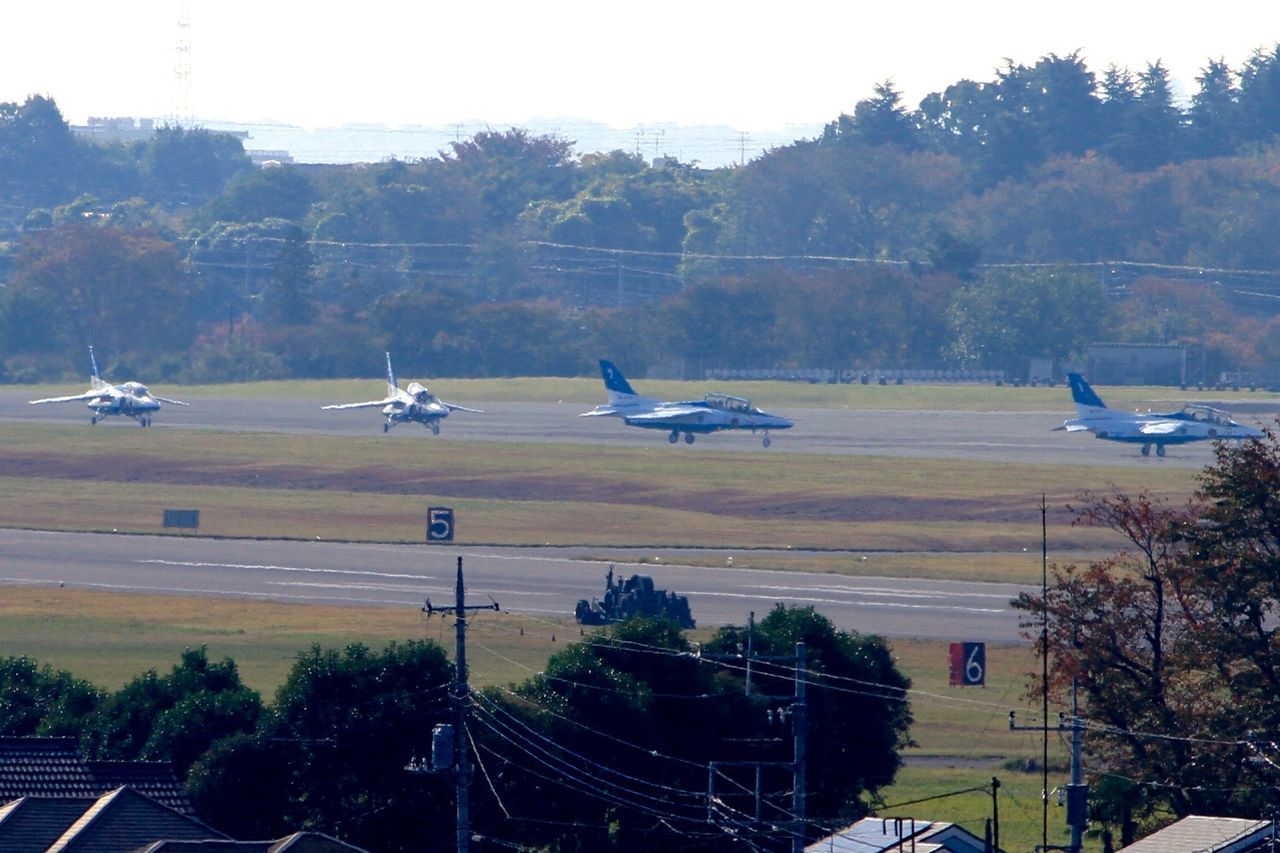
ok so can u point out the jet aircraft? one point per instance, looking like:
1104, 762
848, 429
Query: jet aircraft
1190, 423
417, 404
712, 413
130, 398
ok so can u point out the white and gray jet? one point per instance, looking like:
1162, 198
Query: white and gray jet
1151, 429
132, 399
416, 405
712, 413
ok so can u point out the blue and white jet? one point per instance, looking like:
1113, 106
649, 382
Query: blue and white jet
131, 399
1190, 423
713, 413
414, 405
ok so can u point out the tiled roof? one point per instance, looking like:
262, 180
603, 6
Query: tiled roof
53, 767
35, 823
126, 820
43, 767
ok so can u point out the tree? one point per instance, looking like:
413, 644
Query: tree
351, 721
174, 717
122, 290
37, 701
1259, 98
38, 153
508, 170
1214, 116
280, 192
603, 749
618, 734
287, 298
1173, 641
842, 768
1008, 317
191, 164
880, 120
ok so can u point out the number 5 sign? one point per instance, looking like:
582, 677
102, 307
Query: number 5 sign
439, 524
968, 664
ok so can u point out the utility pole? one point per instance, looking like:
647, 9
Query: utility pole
460, 698
1077, 791
798, 726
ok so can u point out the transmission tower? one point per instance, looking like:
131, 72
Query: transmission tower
182, 68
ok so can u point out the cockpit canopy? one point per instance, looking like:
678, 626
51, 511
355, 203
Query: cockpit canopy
137, 389
420, 394
1208, 415
729, 403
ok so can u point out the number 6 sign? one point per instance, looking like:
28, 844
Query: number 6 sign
439, 524
968, 664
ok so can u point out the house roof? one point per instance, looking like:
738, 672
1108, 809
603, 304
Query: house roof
121, 819
299, 842
35, 823
875, 835
1208, 834
54, 767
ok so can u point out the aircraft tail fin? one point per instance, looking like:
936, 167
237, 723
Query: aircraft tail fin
614, 381
619, 389
391, 378
1083, 394
95, 378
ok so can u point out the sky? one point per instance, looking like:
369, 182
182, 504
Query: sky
743, 64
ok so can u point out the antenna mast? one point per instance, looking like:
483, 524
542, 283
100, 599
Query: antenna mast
182, 68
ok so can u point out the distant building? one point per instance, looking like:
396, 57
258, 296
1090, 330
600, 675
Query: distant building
1136, 364
116, 129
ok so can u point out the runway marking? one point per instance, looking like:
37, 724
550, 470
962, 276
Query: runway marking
199, 565
848, 603
886, 591
439, 589
222, 593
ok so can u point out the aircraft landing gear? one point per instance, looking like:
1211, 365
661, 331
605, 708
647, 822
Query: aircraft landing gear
435, 427
386, 428
93, 421
674, 437
767, 441
1159, 450
1146, 450
688, 438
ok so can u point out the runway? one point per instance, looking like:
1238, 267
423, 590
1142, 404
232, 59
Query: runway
550, 581
541, 581
980, 436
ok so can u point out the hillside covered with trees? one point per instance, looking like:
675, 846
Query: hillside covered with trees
998, 221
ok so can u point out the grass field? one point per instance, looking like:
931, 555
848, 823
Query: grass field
858, 515
962, 736
910, 396
945, 518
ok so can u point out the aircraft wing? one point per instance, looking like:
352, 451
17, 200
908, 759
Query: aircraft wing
453, 407
87, 395
672, 415
1161, 427
385, 401
1071, 427
167, 400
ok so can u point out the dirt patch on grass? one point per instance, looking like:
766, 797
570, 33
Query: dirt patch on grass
992, 509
